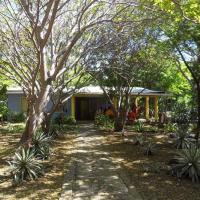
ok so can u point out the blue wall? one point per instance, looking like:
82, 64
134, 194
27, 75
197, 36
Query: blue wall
14, 103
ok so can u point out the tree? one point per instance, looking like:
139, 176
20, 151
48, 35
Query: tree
62, 91
37, 43
114, 64
182, 32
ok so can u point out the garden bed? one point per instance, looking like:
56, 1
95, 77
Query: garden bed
47, 186
150, 174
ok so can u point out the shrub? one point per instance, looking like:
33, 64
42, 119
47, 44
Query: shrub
69, 120
3, 101
170, 128
103, 121
24, 166
16, 117
41, 145
152, 129
183, 114
187, 163
139, 126
182, 140
149, 148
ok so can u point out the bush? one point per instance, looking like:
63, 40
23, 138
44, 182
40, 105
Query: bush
69, 120
3, 101
41, 145
183, 114
139, 126
103, 121
187, 163
61, 119
152, 129
170, 128
182, 140
24, 166
16, 117
3, 109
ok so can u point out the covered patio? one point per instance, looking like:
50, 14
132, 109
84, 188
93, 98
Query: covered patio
95, 92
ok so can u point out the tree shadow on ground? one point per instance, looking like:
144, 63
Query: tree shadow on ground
45, 187
150, 175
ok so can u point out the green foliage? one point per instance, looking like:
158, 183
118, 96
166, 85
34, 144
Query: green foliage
187, 163
61, 119
104, 122
182, 140
3, 101
16, 117
182, 114
153, 129
41, 145
139, 140
24, 166
56, 130
139, 126
180, 10
149, 148
69, 120
12, 128
170, 127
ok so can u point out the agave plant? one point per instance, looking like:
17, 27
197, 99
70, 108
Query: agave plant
182, 140
41, 145
187, 163
24, 166
149, 148
139, 140
55, 131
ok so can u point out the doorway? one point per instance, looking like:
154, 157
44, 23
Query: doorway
86, 107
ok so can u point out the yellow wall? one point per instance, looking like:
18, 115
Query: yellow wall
156, 108
147, 108
73, 106
24, 104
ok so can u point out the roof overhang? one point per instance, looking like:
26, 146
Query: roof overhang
96, 90
15, 90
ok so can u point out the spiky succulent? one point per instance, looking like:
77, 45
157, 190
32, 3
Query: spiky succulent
24, 166
41, 145
149, 148
139, 140
182, 141
187, 163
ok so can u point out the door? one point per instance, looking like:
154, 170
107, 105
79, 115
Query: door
86, 107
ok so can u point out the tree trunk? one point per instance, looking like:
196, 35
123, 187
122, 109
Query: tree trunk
46, 123
30, 129
35, 114
198, 113
119, 122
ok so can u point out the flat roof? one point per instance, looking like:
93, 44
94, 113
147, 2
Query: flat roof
135, 91
96, 90
15, 90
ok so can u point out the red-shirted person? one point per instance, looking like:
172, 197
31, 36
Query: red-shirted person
132, 114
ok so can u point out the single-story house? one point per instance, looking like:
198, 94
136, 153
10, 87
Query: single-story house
86, 101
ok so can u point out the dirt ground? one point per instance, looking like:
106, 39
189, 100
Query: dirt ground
150, 174
46, 187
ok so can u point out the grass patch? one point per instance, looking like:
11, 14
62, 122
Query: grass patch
11, 128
